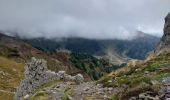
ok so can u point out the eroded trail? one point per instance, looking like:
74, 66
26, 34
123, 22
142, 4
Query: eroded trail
72, 91
91, 90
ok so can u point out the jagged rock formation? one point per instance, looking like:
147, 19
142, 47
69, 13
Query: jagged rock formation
36, 74
165, 41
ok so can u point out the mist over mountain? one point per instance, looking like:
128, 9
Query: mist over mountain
136, 48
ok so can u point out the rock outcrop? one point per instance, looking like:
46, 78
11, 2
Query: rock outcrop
165, 41
37, 74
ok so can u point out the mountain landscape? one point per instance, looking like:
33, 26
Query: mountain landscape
147, 79
84, 51
16, 52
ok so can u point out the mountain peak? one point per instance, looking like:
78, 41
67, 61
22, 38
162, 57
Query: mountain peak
165, 41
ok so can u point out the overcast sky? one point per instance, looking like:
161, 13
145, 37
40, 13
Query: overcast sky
83, 18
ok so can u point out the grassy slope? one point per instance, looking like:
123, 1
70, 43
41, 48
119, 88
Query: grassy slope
11, 73
138, 78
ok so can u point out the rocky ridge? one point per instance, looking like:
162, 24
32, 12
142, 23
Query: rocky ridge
37, 74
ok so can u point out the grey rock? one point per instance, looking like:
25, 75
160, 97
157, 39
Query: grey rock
86, 89
165, 41
166, 81
145, 96
79, 79
36, 74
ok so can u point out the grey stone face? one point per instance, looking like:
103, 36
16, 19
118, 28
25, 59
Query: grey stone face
165, 41
36, 74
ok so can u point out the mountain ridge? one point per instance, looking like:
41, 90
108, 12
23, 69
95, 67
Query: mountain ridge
136, 48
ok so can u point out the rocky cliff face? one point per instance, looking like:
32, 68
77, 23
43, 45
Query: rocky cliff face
165, 41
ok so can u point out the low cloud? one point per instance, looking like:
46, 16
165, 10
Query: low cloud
82, 18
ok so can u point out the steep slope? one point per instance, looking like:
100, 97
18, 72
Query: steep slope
136, 48
140, 77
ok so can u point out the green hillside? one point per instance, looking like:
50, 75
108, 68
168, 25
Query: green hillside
139, 78
11, 73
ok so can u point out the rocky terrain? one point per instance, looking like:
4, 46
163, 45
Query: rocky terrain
148, 80
37, 74
39, 82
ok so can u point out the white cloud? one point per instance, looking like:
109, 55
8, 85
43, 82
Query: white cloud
83, 18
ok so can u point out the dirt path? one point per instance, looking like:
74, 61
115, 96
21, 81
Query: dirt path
84, 91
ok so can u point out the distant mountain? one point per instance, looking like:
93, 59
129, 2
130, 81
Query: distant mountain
136, 48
